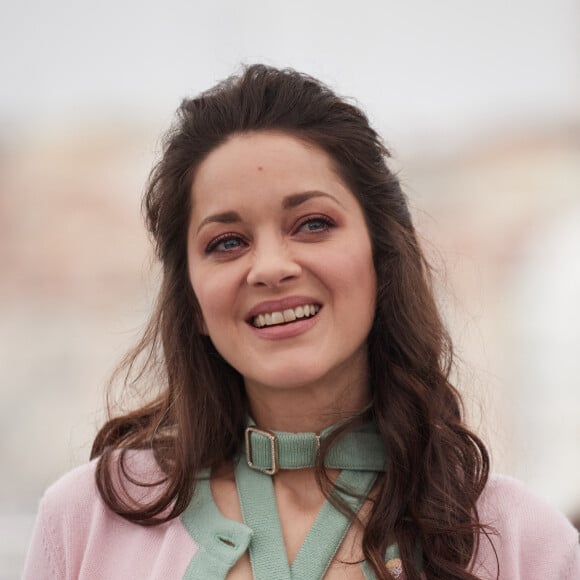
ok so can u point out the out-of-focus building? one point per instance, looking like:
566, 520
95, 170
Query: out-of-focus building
503, 221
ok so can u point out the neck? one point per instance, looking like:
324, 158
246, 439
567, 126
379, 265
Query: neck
304, 409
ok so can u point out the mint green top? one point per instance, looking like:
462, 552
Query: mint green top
221, 541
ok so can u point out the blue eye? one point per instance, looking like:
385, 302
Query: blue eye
224, 243
315, 225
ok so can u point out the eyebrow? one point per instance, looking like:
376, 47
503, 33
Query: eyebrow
295, 199
227, 217
289, 202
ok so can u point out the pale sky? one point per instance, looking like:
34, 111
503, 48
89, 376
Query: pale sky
449, 68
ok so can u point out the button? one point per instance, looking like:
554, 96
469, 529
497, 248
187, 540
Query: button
394, 567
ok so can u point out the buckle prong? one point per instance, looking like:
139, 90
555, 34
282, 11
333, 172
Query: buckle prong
273, 450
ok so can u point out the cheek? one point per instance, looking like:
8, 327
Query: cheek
356, 272
363, 297
207, 298
202, 292
351, 279
214, 295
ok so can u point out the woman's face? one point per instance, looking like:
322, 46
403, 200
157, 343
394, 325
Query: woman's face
280, 261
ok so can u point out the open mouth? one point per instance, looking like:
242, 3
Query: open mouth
285, 316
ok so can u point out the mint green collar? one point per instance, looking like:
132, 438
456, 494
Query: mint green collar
270, 451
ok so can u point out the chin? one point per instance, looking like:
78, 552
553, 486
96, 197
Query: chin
287, 378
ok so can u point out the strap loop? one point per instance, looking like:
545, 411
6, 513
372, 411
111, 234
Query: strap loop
270, 438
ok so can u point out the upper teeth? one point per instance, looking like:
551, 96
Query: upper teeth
289, 315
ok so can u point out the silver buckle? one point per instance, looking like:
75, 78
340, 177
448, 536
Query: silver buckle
273, 450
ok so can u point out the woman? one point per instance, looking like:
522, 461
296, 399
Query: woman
305, 424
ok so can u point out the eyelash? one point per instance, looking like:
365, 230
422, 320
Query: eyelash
230, 236
212, 246
328, 223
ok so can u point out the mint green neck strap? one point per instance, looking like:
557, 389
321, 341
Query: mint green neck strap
270, 451
267, 548
360, 458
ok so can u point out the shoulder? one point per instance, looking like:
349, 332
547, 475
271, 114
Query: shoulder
532, 539
76, 535
78, 488
508, 503
78, 485
73, 504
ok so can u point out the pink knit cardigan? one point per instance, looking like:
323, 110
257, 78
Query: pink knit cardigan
77, 537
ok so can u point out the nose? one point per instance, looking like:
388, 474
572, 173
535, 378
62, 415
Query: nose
272, 264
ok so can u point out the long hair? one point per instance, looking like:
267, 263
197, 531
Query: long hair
436, 468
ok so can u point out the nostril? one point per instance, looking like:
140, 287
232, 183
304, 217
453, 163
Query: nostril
273, 274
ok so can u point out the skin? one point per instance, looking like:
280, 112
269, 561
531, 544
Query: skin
272, 220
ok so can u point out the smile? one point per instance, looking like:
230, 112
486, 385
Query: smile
285, 316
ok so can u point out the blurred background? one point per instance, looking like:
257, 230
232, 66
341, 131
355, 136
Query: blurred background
480, 105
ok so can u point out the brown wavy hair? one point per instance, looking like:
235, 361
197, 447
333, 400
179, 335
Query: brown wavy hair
436, 468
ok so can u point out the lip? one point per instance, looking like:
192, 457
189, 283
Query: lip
279, 305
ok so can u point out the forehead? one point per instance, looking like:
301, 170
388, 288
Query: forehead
265, 164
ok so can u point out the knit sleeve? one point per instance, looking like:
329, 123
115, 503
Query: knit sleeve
529, 538
44, 560
62, 526
572, 567
76, 536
